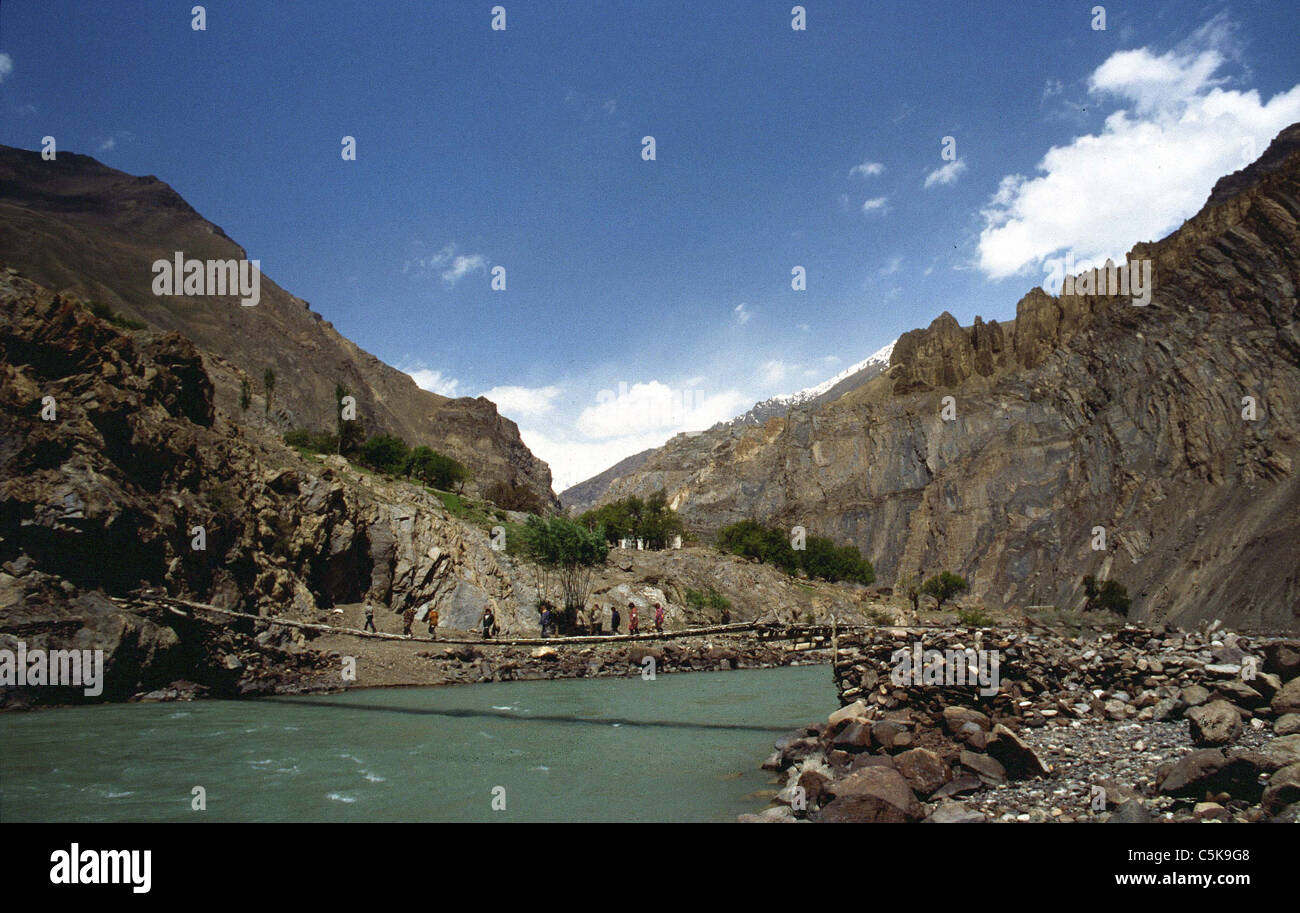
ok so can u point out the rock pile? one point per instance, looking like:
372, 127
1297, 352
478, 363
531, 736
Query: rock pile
1203, 725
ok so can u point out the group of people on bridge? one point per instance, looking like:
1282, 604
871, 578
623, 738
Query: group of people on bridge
591, 621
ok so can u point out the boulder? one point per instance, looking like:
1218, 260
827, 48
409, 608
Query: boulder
1288, 724
955, 717
1194, 773
924, 770
1283, 789
1019, 760
1214, 724
987, 769
955, 813
874, 795
1288, 699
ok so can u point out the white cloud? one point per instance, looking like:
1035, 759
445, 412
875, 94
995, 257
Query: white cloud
945, 175
526, 402
742, 313
1152, 165
773, 372
462, 266
893, 266
6, 66
867, 169
654, 406
108, 145
431, 380
876, 204
573, 460
452, 267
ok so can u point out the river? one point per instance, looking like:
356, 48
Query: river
684, 747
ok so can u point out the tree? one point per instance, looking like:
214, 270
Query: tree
268, 381
821, 557
245, 394
944, 586
511, 495
435, 469
565, 555
385, 453
1108, 596
750, 539
650, 520
910, 586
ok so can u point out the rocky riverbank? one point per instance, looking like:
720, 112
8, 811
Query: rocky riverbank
1127, 726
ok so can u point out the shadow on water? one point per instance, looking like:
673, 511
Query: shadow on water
515, 717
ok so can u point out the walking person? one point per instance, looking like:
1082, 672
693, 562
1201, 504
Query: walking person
596, 619
659, 618
370, 619
408, 619
489, 622
546, 619
633, 623
433, 622
614, 619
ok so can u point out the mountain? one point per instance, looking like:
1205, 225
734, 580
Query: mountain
1085, 411
846, 381
80, 227
585, 495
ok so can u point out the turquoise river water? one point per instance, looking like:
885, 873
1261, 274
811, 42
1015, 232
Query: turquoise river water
685, 747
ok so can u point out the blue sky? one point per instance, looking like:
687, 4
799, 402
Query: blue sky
649, 297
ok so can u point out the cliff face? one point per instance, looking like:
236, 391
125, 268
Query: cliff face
77, 226
1088, 411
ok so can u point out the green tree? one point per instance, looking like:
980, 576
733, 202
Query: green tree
565, 555
435, 469
651, 520
509, 494
751, 539
1106, 596
268, 381
944, 586
245, 394
384, 453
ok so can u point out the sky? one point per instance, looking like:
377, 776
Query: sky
911, 157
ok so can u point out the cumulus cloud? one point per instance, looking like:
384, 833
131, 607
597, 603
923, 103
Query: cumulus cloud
655, 406
451, 266
945, 175
434, 381
867, 169
876, 204
523, 402
1176, 131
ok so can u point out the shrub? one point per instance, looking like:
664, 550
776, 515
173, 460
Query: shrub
435, 469
510, 495
108, 315
974, 618
311, 441
944, 586
1108, 596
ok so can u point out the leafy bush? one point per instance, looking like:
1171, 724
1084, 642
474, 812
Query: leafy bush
565, 555
384, 453
974, 618
707, 600
311, 441
108, 315
435, 469
1108, 596
510, 495
944, 586
820, 557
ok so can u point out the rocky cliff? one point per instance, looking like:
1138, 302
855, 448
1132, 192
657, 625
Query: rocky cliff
77, 226
1087, 411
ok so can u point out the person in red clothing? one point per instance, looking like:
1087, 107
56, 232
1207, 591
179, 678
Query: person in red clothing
633, 623
659, 618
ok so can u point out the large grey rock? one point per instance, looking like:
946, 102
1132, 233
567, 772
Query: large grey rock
1214, 724
875, 795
